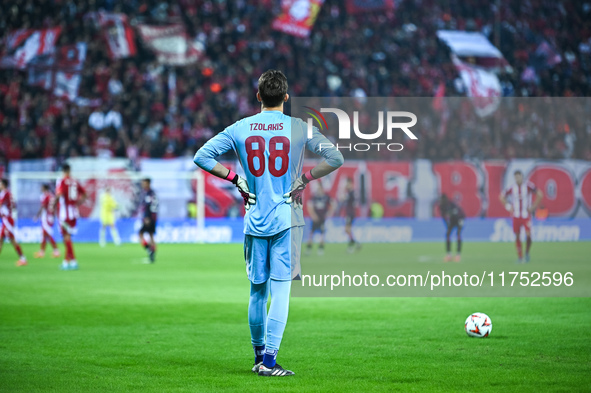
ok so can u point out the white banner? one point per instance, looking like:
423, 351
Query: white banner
464, 43
476, 47
171, 44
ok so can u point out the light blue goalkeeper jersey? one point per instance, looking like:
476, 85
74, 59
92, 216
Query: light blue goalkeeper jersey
270, 147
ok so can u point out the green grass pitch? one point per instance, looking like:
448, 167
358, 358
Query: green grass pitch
180, 325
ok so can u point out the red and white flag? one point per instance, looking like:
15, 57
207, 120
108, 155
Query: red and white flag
71, 57
69, 62
15, 39
66, 85
22, 46
297, 17
171, 44
60, 72
118, 35
483, 87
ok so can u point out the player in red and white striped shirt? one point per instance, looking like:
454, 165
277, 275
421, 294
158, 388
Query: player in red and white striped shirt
518, 200
7, 228
69, 195
47, 215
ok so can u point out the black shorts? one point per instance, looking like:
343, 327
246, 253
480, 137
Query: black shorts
148, 227
318, 226
349, 220
456, 222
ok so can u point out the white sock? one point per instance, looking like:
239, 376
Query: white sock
102, 237
115, 235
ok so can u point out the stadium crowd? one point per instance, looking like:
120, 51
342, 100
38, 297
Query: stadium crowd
394, 53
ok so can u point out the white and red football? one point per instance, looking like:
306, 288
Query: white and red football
478, 325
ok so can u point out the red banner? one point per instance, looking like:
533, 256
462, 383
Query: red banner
413, 188
297, 17
118, 35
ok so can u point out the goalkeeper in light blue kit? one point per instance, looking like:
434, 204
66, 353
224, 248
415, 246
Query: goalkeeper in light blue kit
270, 147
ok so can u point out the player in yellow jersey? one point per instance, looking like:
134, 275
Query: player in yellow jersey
108, 207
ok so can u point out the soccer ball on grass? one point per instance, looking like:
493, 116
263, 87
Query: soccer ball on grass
478, 325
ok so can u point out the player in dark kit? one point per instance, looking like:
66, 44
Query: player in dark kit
453, 216
319, 208
149, 212
349, 206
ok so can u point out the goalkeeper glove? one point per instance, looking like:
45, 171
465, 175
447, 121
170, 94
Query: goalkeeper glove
240, 183
297, 190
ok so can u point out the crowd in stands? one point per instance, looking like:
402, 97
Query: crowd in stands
393, 53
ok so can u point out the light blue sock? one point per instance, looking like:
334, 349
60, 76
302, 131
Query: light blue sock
257, 316
276, 319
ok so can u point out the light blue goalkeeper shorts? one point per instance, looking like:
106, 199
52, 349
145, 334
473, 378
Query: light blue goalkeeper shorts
276, 257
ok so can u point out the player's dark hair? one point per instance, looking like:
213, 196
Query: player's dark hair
4, 182
272, 88
45, 187
518, 172
66, 167
147, 180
